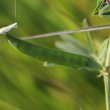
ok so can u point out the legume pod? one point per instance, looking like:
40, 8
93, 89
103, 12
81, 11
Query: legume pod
53, 56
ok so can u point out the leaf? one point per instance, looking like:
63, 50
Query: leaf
72, 45
107, 60
103, 50
88, 38
53, 56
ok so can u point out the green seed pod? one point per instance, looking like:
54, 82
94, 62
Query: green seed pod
53, 56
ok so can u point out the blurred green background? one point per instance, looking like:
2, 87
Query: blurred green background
25, 84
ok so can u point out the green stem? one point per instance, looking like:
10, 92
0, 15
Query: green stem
107, 89
107, 76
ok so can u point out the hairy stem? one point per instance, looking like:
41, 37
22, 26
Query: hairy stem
107, 76
107, 89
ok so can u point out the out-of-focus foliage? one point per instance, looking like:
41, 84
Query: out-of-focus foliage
102, 8
25, 84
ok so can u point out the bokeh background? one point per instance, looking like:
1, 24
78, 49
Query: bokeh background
25, 84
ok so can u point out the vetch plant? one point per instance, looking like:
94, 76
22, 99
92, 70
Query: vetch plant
74, 54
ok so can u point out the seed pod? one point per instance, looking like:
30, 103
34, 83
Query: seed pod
53, 56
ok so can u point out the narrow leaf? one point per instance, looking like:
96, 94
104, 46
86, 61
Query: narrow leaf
72, 45
53, 56
102, 51
104, 48
88, 37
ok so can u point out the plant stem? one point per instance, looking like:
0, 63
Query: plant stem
107, 76
85, 29
107, 89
